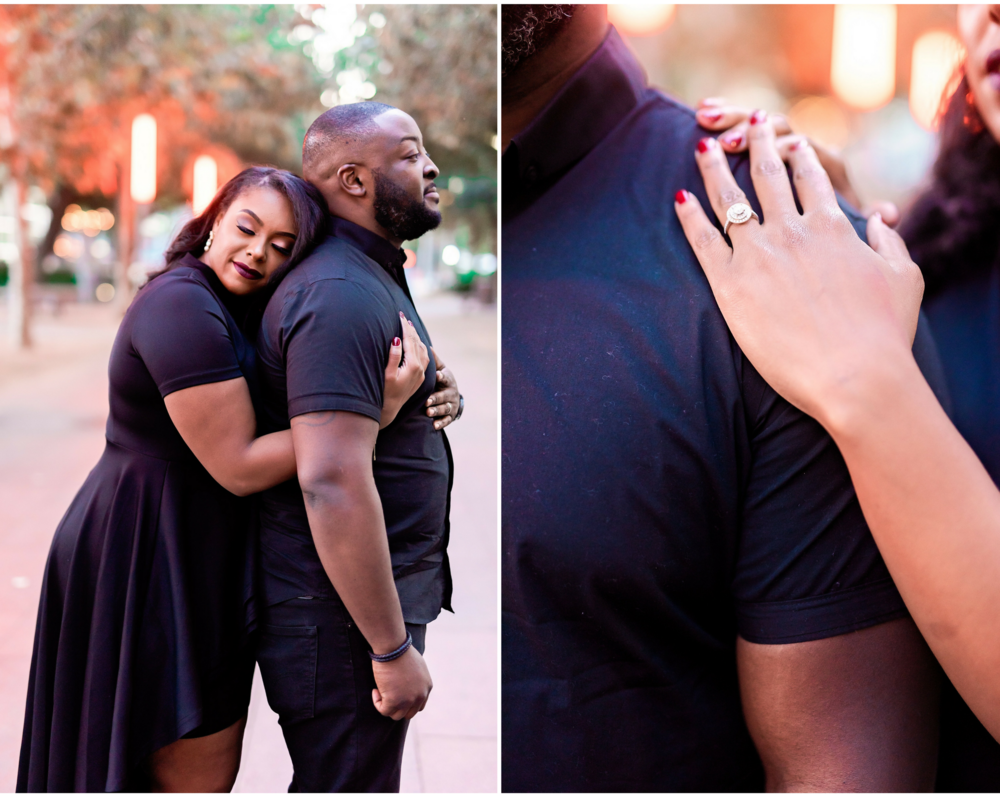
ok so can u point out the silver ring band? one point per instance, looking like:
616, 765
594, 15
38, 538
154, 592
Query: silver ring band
739, 213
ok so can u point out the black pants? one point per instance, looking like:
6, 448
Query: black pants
318, 679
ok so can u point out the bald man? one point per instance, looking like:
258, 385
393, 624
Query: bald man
353, 552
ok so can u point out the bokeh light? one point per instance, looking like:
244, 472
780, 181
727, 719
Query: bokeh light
104, 292
639, 19
822, 119
206, 182
143, 181
863, 67
450, 255
936, 57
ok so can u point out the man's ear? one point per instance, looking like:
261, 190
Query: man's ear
350, 180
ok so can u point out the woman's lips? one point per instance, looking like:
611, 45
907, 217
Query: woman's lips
246, 272
993, 70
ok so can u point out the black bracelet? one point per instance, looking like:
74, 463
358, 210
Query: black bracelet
395, 654
461, 406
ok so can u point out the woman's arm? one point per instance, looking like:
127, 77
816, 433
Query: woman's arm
828, 322
218, 423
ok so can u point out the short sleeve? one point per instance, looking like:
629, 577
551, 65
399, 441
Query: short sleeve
807, 567
182, 336
335, 343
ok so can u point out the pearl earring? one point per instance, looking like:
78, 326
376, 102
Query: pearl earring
208, 243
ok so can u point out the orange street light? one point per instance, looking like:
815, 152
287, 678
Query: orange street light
143, 171
640, 19
936, 56
206, 182
863, 68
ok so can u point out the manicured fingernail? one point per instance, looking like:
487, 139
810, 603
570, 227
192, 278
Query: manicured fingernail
706, 144
395, 341
877, 215
681, 197
401, 314
409, 322
733, 140
711, 115
796, 144
757, 117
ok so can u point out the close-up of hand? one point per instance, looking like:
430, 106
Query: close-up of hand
806, 299
402, 685
443, 404
404, 374
718, 114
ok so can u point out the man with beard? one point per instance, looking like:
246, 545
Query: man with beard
691, 598
353, 553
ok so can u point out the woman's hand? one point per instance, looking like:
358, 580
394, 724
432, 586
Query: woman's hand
443, 404
408, 361
815, 310
716, 113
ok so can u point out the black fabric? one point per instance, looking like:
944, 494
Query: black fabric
147, 597
323, 345
658, 497
319, 680
965, 319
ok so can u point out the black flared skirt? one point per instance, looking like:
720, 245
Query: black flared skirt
146, 604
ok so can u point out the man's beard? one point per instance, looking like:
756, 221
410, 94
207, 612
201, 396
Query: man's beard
403, 217
528, 29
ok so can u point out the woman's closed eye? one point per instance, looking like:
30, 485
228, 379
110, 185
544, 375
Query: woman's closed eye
285, 250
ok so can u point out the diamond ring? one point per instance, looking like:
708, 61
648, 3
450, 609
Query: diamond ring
739, 214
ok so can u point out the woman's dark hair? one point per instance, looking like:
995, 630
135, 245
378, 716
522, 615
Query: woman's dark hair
308, 208
952, 229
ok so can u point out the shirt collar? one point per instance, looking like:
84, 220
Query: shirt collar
373, 245
591, 103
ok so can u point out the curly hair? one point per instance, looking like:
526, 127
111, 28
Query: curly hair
952, 228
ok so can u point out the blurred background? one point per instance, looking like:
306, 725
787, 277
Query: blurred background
117, 122
866, 80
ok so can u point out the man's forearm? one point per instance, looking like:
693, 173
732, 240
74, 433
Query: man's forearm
349, 533
334, 455
935, 514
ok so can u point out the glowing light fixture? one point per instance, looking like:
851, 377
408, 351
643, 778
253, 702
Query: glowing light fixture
863, 68
143, 183
936, 56
639, 19
206, 182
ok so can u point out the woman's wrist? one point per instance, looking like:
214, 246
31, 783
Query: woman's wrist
866, 396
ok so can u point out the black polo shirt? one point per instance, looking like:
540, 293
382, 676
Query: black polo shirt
658, 497
324, 345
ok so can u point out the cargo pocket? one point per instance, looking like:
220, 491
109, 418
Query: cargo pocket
287, 659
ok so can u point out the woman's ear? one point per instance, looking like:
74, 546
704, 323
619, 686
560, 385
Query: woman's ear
350, 180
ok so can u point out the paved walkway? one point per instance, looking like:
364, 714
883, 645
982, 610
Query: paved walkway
53, 404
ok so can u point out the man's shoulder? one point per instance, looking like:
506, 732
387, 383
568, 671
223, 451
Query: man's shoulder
332, 259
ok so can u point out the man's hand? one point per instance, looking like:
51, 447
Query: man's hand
443, 404
404, 685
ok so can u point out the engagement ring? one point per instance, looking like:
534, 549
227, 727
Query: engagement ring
739, 214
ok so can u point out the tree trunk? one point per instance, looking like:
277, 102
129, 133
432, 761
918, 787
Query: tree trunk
125, 224
22, 272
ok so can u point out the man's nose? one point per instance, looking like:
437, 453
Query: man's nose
431, 170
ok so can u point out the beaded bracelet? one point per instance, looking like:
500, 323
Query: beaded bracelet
393, 654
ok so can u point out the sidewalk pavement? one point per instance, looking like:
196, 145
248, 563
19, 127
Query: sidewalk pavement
53, 404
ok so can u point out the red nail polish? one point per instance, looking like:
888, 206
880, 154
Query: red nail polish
705, 144
395, 341
795, 145
681, 197
757, 117
734, 140
711, 115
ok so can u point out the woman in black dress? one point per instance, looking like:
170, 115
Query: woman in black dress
141, 671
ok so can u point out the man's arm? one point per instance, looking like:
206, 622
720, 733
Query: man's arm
333, 451
856, 712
